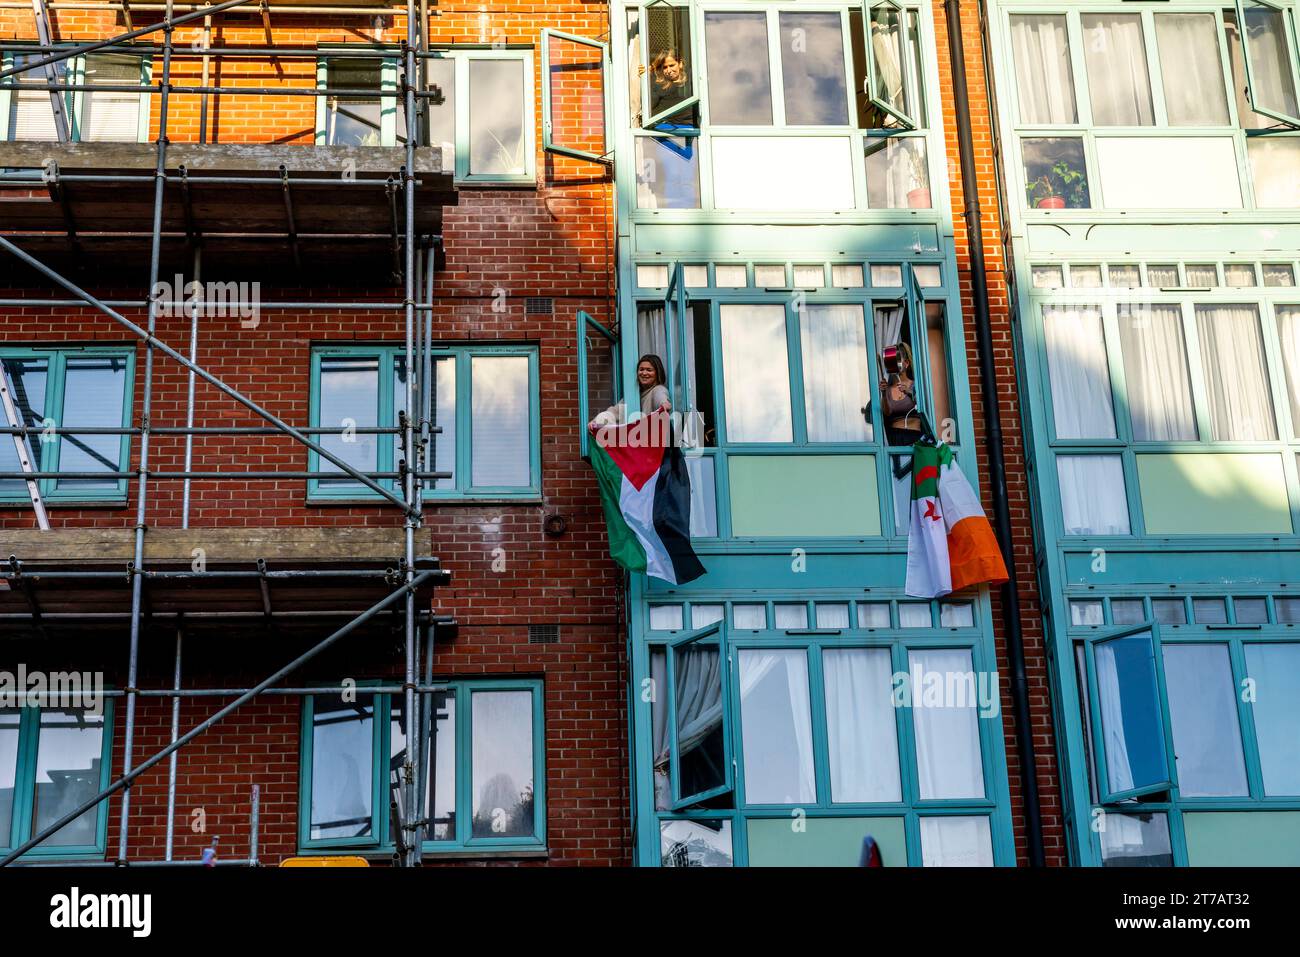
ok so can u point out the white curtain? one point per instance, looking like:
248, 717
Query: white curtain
1080, 379
1155, 373
947, 735
1118, 771
835, 372
1271, 74
1192, 71
1093, 501
1044, 83
1236, 382
889, 325
756, 373
860, 725
769, 712
699, 708
1118, 83
1288, 327
956, 842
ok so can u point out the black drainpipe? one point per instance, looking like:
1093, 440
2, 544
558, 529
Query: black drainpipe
993, 427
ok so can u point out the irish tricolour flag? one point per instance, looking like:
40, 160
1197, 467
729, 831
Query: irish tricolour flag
950, 543
646, 494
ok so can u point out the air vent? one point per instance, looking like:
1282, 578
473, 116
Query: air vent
543, 634
539, 306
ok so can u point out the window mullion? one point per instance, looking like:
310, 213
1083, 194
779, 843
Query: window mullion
464, 420
1196, 369
464, 807
776, 73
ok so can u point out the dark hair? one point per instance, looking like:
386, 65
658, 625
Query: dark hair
661, 377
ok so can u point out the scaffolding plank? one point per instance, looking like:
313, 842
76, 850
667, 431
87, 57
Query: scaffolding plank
226, 158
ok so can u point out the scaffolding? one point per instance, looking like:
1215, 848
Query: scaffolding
414, 249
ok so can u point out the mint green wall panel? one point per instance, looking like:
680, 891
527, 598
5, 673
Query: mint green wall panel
710, 239
1103, 239
1243, 838
804, 495
1213, 494
824, 842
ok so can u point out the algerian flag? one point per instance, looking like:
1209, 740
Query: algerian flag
950, 543
646, 494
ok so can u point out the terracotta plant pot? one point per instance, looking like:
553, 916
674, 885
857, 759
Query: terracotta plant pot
918, 198
1051, 202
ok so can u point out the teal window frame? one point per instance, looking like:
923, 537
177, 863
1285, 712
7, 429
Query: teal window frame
657, 120
25, 792
590, 330
548, 131
55, 398
1288, 25
875, 94
381, 839
389, 75
715, 634
73, 71
387, 446
462, 107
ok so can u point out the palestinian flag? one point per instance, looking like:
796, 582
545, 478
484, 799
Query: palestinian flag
646, 494
950, 543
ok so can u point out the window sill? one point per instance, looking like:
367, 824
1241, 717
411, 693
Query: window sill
52, 504
460, 854
532, 499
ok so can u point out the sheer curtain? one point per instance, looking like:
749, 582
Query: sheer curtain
835, 373
1288, 326
1118, 771
1116, 57
889, 325
947, 736
860, 725
1080, 379
1236, 382
756, 373
1155, 373
951, 841
1192, 70
775, 713
1044, 84
1093, 500
699, 709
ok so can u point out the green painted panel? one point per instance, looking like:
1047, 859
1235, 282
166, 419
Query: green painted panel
1243, 838
804, 495
824, 841
1213, 494
1099, 239
707, 239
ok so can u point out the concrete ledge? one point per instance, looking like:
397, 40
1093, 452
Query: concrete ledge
228, 158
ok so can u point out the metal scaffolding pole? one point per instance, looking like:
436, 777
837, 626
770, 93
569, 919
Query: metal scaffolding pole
190, 386
171, 761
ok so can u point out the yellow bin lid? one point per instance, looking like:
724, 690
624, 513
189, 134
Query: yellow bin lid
324, 862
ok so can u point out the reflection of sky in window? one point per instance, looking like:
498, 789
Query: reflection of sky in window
28, 377
67, 773
812, 67
502, 758
94, 390
496, 128
8, 767
349, 390
342, 747
500, 441
740, 92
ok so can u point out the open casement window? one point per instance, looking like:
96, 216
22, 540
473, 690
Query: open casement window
684, 386
698, 733
573, 96
359, 121
920, 343
597, 374
1126, 690
892, 83
1269, 51
668, 82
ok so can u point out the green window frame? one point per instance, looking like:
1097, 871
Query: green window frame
387, 446
326, 114
24, 810
554, 68
462, 839
55, 399
76, 71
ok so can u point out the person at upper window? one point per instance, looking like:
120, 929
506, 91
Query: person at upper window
668, 80
898, 397
652, 379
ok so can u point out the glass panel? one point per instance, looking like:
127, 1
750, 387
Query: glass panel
835, 374
1287, 610
1093, 499
108, 115
1288, 329
832, 616
652, 277
1238, 274
1202, 275
1085, 277
776, 729
1278, 274
500, 427
342, 766
444, 415
873, 614
1275, 669
31, 116
812, 70
502, 763
1273, 164
28, 379
889, 55
68, 758
1131, 724
1124, 277
944, 692
769, 277
890, 275
695, 843
1250, 611
9, 721
358, 121
349, 397
927, 276
1169, 611
442, 759
668, 42
740, 86
665, 617
956, 842
861, 725
1135, 840
809, 277
442, 116
1192, 69
576, 75
704, 496
1047, 277
1272, 76
956, 615
1056, 176
667, 173
94, 392
912, 614
756, 373
695, 277
791, 616
1155, 371
704, 615
847, 276
1127, 611
1203, 716
1086, 612
1236, 381
753, 617
1115, 53
898, 173
730, 277
1044, 81
701, 743
1209, 611
1163, 276
497, 140
1080, 378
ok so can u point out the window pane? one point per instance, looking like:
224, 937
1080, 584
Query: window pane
1080, 378
442, 116
94, 394
835, 373
342, 766
667, 173
861, 725
1162, 276
1203, 716
944, 701
1116, 56
750, 617
886, 274
500, 428
68, 759
701, 751
496, 117
898, 173
1202, 275
956, 842
812, 70
1288, 328
106, 115
695, 844
442, 760
1093, 500
30, 114
1131, 724
1250, 611
756, 372
1044, 83
730, 277
913, 614
9, 719
1086, 613
444, 415
1273, 164
1127, 611
1169, 611
873, 614
1236, 382
809, 277
668, 43
1047, 277
1085, 277
776, 729
847, 276
1272, 80
832, 616
704, 501
1135, 840
769, 277
665, 617
349, 397
703, 615
1191, 68
358, 121
1056, 176
1239, 275
1276, 672
893, 71
502, 723
740, 88
1124, 277
1287, 610
28, 378
790, 616
956, 615
1155, 372
1209, 611
1278, 274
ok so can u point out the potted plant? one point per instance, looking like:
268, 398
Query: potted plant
1061, 187
918, 196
